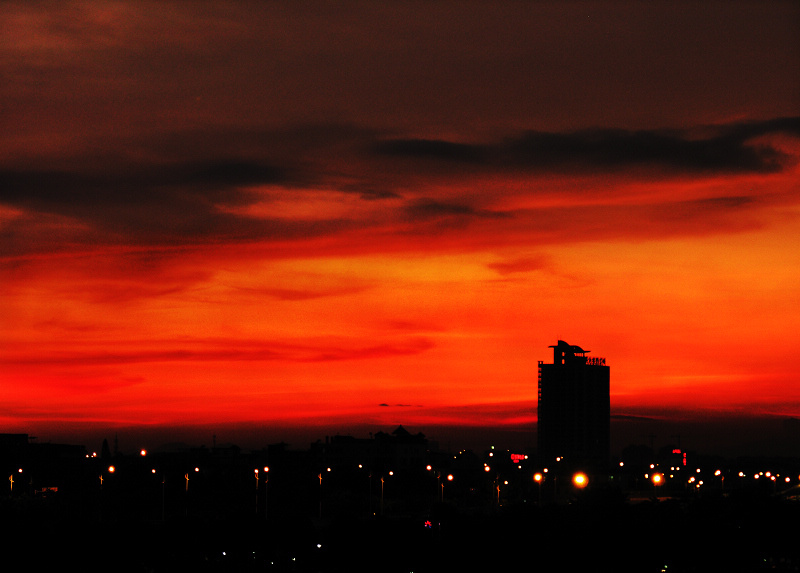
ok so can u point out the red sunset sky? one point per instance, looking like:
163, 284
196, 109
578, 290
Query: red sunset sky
336, 215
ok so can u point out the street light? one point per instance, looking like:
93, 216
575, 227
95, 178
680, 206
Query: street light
580, 480
539, 478
255, 473
657, 479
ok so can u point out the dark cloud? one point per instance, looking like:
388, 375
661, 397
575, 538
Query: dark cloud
727, 152
201, 199
231, 173
127, 185
424, 209
150, 205
727, 148
433, 149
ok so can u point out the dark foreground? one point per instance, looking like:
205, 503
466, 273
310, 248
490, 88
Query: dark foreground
601, 531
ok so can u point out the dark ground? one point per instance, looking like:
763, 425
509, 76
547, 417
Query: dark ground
600, 530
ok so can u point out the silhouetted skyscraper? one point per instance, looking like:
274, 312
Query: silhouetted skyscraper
574, 407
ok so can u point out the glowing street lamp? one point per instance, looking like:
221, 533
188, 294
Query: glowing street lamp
580, 480
657, 479
449, 478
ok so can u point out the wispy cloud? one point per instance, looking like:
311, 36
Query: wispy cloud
228, 350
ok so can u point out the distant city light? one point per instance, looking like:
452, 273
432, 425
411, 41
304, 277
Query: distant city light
580, 480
